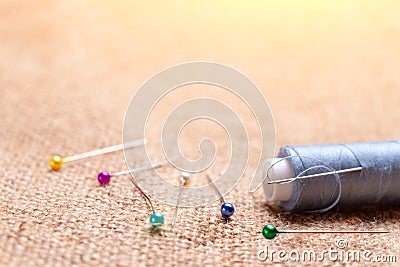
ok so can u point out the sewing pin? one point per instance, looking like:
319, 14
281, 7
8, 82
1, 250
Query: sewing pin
183, 179
270, 232
227, 209
156, 218
57, 161
105, 177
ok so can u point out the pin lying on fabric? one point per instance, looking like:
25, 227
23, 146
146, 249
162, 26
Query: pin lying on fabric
270, 232
183, 181
57, 161
105, 177
156, 218
227, 209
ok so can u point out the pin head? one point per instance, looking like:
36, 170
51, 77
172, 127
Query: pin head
156, 219
104, 178
269, 231
185, 176
56, 163
227, 210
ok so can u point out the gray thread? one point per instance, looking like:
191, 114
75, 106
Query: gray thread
378, 183
306, 172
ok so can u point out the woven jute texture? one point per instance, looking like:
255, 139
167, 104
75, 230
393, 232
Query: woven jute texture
329, 70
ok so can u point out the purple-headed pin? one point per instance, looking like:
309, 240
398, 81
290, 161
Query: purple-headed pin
105, 177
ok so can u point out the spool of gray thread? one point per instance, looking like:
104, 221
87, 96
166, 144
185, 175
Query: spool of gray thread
378, 183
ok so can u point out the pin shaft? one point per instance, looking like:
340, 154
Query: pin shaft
144, 168
215, 188
143, 193
287, 180
105, 150
332, 232
178, 201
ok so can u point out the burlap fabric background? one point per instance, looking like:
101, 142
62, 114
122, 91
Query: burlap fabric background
330, 72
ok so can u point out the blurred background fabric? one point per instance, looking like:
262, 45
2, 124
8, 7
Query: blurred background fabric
68, 69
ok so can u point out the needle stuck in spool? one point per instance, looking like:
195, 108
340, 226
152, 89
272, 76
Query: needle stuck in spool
287, 180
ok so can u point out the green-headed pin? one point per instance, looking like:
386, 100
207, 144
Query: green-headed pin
270, 232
